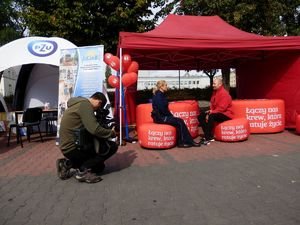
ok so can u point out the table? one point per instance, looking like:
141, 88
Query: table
45, 112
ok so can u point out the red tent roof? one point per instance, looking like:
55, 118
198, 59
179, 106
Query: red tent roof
199, 42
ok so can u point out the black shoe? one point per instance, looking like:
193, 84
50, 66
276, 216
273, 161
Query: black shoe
212, 139
63, 167
196, 144
184, 145
87, 176
205, 142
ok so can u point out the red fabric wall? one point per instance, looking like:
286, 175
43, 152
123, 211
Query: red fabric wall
273, 78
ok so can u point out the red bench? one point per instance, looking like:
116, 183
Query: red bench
232, 130
161, 136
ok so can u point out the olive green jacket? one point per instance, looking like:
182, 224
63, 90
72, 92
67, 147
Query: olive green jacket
79, 113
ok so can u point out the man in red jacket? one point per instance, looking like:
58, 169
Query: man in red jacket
220, 110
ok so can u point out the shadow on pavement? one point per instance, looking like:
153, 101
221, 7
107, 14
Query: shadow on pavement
120, 161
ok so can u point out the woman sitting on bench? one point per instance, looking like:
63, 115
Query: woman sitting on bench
161, 114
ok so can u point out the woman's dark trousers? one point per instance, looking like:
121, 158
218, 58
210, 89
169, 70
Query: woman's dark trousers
183, 134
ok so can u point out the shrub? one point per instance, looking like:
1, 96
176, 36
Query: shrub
144, 96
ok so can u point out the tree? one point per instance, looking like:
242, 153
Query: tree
11, 26
210, 73
87, 22
276, 17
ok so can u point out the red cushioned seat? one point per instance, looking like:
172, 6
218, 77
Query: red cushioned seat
188, 110
232, 130
264, 115
143, 114
156, 136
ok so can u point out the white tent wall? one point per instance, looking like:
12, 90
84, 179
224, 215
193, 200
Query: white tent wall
42, 86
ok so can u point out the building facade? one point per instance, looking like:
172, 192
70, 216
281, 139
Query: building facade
147, 80
8, 81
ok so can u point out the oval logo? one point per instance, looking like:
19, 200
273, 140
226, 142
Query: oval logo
42, 48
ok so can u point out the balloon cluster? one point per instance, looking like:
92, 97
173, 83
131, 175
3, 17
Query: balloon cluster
129, 69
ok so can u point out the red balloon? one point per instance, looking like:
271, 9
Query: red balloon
134, 77
133, 67
114, 81
126, 61
114, 63
107, 58
129, 79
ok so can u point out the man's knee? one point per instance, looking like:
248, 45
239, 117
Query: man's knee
202, 116
212, 117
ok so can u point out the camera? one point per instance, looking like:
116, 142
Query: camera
103, 118
84, 140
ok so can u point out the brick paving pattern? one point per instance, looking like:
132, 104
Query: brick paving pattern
252, 182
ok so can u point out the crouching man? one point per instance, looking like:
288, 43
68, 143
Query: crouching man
88, 163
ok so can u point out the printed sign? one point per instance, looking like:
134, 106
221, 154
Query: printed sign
233, 133
264, 115
42, 48
161, 139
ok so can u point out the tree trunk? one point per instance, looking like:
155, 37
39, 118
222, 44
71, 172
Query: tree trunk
226, 78
211, 79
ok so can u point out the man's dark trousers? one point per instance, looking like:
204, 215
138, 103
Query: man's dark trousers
89, 159
207, 126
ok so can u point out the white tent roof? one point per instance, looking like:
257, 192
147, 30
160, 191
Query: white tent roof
33, 50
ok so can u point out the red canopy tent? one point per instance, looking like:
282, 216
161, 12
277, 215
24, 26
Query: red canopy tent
267, 67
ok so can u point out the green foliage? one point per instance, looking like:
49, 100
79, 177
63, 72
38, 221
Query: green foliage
8, 34
99, 21
11, 26
87, 22
107, 74
277, 17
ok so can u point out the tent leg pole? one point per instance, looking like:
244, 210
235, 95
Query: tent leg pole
120, 98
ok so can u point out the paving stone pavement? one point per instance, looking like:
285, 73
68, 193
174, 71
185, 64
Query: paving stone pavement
252, 182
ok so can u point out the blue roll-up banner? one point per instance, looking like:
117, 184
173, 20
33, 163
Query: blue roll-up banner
81, 73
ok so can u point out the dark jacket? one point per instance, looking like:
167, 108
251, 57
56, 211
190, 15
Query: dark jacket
160, 107
80, 113
221, 102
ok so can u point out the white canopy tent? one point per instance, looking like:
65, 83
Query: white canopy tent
42, 82
33, 50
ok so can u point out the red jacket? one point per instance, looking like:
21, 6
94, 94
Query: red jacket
220, 102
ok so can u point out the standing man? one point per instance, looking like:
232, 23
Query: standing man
80, 114
220, 110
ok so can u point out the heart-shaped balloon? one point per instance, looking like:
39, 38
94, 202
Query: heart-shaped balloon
114, 63
126, 61
114, 81
129, 79
107, 58
133, 67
